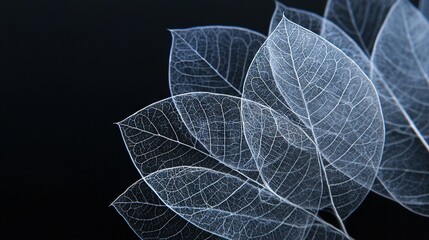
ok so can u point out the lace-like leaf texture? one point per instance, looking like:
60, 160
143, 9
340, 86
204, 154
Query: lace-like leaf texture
404, 155
206, 189
312, 138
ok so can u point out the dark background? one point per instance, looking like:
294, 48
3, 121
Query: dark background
69, 70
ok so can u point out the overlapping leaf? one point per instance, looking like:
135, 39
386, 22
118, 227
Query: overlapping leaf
313, 130
402, 149
209, 190
401, 55
360, 19
323, 93
211, 59
229, 206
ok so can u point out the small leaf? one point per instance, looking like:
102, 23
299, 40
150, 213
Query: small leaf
360, 19
211, 59
151, 219
401, 55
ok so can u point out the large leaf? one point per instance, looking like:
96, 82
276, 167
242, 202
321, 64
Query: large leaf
211, 59
149, 218
361, 19
160, 139
401, 148
313, 87
424, 7
401, 55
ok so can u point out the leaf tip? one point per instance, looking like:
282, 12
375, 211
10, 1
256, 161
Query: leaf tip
277, 3
172, 31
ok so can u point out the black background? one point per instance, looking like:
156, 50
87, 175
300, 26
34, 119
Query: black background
69, 70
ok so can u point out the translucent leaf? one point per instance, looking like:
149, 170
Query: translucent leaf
424, 7
229, 206
211, 59
313, 86
401, 55
159, 142
149, 218
360, 19
401, 148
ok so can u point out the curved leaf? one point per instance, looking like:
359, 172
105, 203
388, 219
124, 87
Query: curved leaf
229, 206
401, 55
211, 59
360, 19
151, 219
324, 93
